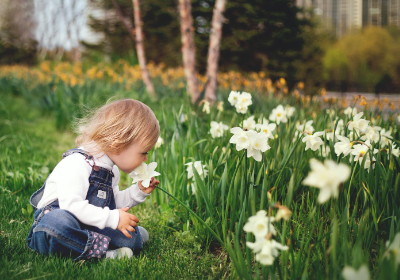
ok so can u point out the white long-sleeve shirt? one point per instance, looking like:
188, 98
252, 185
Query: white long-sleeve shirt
69, 183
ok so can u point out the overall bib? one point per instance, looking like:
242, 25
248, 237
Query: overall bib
58, 231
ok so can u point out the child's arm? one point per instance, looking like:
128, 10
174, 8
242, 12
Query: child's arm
70, 179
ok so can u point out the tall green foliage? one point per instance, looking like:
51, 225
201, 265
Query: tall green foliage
367, 60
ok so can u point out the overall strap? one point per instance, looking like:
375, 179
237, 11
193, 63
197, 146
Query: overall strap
89, 159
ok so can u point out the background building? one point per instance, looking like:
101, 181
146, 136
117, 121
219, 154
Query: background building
342, 16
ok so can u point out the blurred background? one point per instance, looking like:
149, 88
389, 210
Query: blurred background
343, 46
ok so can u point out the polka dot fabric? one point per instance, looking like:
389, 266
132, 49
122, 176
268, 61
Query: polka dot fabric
99, 246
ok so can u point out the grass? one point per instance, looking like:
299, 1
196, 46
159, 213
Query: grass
30, 148
351, 230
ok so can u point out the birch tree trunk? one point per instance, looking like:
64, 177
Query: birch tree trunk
140, 49
213, 50
188, 49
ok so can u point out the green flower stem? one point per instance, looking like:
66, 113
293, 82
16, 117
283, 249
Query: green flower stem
194, 214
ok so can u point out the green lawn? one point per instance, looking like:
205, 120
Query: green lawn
30, 147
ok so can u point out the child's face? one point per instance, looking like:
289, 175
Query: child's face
130, 158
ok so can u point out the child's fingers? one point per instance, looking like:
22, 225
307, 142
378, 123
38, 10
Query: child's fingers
134, 218
133, 223
126, 209
130, 228
126, 233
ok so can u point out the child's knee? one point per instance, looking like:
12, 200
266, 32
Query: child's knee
59, 221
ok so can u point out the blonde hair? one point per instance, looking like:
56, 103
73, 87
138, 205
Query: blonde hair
114, 126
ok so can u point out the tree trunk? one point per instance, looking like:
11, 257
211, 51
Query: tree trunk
213, 50
188, 49
140, 49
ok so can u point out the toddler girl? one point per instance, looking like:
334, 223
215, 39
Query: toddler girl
80, 211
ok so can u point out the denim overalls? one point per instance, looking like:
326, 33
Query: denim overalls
58, 231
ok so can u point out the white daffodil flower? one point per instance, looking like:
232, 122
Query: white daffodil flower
289, 110
350, 273
278, 115
206, 107
350, 111
313, 141
260, 224
371, 134
233, 97
344, 146
200, 168
269, 252
239, 138
358, 124
331, 112
243, 102
394, 248
395, 151
159, 142
327, 177
360, 153
144, 173
305, 127
386, 136
258, 144
217, 129
249, 123
267, 128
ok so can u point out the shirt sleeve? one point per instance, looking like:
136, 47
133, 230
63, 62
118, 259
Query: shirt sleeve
129, 197
71, 177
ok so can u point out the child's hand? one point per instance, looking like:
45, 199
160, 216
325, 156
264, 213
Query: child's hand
126, 222
153, 184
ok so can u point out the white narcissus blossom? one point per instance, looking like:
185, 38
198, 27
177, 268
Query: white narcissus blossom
269, 252
344, 146
331, 112
278, 115
182, 118
243, 102
313, 141
233, 97
239, 138
386, 136
305, 127
395, 151
350, 111
265, 248
394, 248
371, 134
217, 129
350, 273
144, 173
358, 124
267, 128
206, 107
249, 123
159, 142
201, 169
360, 153
289, 110
327, 177
258, 144
260, 224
